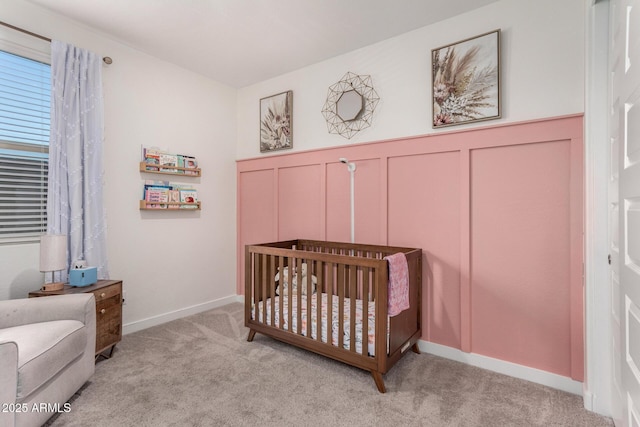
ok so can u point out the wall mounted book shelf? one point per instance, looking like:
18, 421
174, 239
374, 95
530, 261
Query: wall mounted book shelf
165, 195
170, 170
169, 206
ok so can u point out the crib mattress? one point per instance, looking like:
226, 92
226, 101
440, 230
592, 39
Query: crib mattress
335, 319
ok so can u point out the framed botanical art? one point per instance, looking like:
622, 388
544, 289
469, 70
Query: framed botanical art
466, 81
276, 122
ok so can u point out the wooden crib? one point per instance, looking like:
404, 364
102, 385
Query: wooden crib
334, 285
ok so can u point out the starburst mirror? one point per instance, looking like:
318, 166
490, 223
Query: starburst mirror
350, 104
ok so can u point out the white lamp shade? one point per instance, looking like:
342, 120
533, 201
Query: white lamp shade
53, 252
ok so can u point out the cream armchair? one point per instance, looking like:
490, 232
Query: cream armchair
47, 352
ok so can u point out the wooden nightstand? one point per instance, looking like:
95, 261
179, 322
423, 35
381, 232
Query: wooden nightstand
108, 295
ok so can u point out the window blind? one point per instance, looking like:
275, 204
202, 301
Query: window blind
25, 93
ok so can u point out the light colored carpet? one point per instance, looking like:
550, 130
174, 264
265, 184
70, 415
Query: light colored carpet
201, 371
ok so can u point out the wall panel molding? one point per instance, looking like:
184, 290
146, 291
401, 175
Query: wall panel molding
457, 195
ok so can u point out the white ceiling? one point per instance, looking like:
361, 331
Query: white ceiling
242, 42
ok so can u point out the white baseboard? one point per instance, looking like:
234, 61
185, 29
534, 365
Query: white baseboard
587, 399
139, 325
502, 367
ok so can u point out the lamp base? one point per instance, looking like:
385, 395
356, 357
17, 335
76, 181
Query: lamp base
58, 286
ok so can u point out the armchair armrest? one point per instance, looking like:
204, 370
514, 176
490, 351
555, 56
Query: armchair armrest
8, 379
18, 312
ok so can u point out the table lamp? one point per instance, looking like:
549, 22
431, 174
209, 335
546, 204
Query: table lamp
53, 257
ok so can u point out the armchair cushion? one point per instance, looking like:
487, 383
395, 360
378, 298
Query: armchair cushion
45, 349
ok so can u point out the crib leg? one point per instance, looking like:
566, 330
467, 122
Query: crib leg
415, 348
252, 334
377, 377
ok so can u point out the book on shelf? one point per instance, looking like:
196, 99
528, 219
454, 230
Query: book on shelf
151, 158
190, 162
189, 196
154, 185
157, 195
168, 162
174, 199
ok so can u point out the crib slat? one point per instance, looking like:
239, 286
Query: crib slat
352, 302
309, 285
280, 279
341, 277
290, 264
319, 271
272, 284
298, 296
329, 291
263, 282
256, 286
365, 311
346, 281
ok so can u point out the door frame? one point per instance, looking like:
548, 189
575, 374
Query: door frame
597, 393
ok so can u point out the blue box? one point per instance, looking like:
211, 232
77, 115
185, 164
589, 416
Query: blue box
83, 276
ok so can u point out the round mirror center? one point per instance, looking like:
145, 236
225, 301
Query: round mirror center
350, 105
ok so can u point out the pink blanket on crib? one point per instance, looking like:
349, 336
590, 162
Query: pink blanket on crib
398, 290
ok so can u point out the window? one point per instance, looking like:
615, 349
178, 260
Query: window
25, 92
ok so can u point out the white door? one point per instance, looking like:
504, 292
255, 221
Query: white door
624, 209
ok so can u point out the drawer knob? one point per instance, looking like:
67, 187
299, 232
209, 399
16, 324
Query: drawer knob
103, 311
102, 295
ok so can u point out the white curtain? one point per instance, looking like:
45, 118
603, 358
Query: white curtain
74, 198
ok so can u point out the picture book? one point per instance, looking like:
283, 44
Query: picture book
155, 185
191, 163
189, 196
157, 195
174, 199
151, 157
168, 160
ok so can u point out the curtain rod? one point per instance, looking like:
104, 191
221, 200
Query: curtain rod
106, 59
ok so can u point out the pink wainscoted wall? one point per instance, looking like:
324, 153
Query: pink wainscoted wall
497, 211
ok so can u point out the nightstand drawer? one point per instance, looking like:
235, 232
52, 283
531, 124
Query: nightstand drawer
108, 292
108, 323
108, 305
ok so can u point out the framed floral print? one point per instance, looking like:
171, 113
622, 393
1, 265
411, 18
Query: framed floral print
275, 122
466, 81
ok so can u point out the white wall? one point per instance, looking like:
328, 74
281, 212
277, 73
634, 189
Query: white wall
169, 261
542, 75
